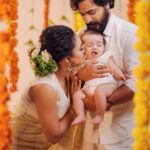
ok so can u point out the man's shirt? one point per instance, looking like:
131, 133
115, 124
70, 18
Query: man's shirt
120, 36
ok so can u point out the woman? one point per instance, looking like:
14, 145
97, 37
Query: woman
44, 115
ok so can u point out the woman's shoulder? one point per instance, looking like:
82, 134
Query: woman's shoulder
49, 80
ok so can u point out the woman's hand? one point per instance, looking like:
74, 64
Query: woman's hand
75, 84
91, 71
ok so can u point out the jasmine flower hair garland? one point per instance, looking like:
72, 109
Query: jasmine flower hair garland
42, 62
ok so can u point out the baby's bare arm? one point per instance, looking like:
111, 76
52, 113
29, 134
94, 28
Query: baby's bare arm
118, 74
78, 103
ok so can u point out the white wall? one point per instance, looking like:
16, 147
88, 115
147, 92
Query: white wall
121, 8
23, 35
57, 9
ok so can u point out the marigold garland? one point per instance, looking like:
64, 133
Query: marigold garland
46, 11
14, 70
78, 22
7, 57
131, 10
142, 97
4, 94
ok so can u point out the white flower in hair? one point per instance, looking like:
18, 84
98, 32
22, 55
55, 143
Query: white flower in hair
33, 65
42, 62
34, 51
46, 55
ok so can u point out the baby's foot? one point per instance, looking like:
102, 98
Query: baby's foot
79, 119
97, 119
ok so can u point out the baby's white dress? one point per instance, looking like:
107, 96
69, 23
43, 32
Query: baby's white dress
92, 84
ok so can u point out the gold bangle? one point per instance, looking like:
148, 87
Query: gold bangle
72, 113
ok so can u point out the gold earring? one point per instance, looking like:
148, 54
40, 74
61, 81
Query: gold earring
69, 65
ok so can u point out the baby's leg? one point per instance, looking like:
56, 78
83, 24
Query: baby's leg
78, 106
102, 92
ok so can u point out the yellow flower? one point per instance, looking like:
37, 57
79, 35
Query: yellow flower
141, 97
141, 131
140, 111
142, 72
78, 22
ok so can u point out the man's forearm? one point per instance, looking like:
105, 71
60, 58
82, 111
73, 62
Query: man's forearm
121, 95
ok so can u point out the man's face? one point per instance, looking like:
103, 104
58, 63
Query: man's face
95, 17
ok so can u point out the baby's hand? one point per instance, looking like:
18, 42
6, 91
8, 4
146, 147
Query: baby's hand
120, 76
127, 76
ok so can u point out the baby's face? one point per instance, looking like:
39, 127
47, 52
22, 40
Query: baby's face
94, 46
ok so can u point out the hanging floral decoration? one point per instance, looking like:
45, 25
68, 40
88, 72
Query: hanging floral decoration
14, 70
4, 93
32, 29
46, 12
131, 10
78, 22
8, 57
142, 97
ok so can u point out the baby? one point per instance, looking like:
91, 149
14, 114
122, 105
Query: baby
101, 88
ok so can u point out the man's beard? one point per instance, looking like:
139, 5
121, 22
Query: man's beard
101, 25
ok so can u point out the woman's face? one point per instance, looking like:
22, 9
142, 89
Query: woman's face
78, 53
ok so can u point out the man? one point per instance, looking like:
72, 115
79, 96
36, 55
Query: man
120, 37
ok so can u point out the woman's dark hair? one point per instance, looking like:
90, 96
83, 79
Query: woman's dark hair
75, 3
58, 40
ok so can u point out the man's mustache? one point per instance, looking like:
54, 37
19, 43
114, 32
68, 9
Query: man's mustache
95, 26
